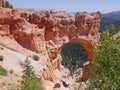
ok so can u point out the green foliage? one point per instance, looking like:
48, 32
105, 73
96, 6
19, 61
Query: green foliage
57, 85
13, 87
36, 57
1, 57
30, 81
3, 71
105, 69
112, 29
73, 56
7, 5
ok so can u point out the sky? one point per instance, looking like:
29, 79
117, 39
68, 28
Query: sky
103, 6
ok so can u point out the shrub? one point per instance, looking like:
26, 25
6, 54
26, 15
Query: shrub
11, 71
57, 85
1, 57
3, 71
36, 57
13, 87
30, 81
105, 69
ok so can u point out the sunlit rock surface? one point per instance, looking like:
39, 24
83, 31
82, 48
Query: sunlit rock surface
45, 32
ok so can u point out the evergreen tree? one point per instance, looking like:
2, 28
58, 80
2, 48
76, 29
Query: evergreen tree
11, 6
30, 81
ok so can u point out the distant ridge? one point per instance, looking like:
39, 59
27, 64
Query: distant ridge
109, 19
114, 14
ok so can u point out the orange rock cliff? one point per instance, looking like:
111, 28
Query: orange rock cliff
45, 32
2, 2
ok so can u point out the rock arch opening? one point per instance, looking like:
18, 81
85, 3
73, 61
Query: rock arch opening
73, 56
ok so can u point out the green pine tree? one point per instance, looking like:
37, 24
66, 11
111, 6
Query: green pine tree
30, 81
11, 6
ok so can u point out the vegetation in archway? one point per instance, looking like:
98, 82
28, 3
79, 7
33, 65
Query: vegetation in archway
73, 56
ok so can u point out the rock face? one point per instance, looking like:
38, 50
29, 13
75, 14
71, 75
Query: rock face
2, 2
45, 32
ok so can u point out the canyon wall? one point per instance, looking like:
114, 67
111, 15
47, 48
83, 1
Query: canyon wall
2, 2
45, 32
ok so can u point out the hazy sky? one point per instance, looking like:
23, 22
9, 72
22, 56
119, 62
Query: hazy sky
69, 5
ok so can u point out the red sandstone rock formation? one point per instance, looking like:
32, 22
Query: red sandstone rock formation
2, 2
46, 31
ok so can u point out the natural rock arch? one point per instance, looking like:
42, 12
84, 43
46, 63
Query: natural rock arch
45, 33
87, 46
73, 57
89, 49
